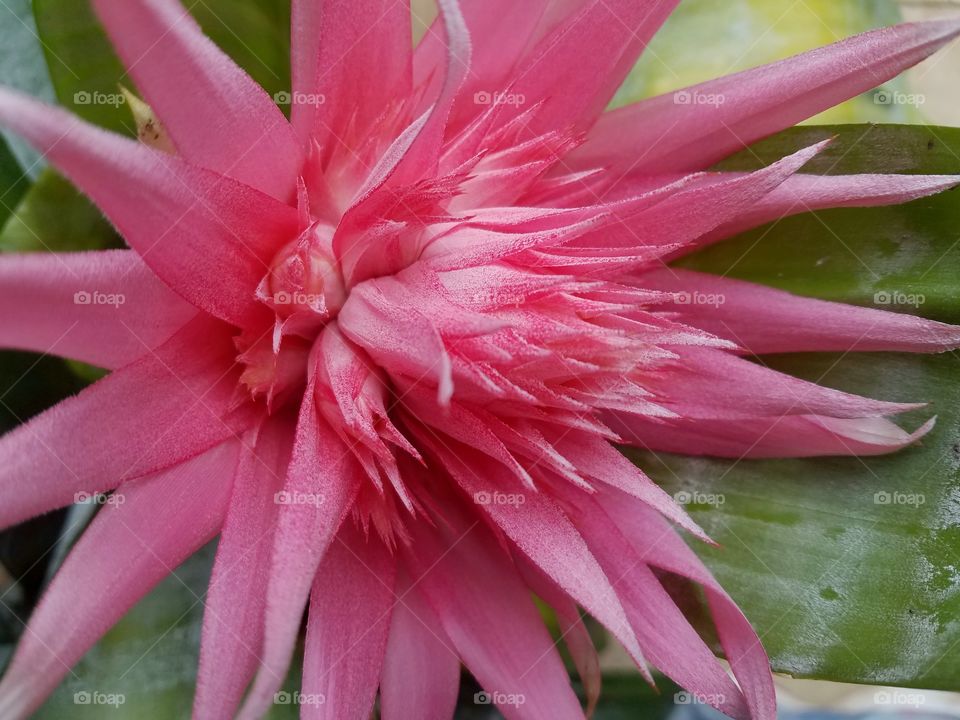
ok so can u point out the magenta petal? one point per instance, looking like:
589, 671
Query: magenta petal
806, 193
347, 626
762, 320
577, 68
233, 615
573, 631
768, 437
208, 237
320, 486
713, 384
666, 637
132, 544
216, 114
668, 134
421, 670
164, 409
351, 62
487, 613
103, 308
652, 539
545, 535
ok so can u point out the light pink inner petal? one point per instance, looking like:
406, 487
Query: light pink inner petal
351, 63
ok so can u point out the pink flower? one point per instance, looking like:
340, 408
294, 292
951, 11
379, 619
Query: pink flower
383, 350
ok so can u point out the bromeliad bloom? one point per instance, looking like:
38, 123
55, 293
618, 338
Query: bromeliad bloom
385, 349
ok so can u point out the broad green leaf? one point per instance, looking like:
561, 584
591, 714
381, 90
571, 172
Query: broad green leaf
55, 217
22, 67
849, 568
87, 74
85, 71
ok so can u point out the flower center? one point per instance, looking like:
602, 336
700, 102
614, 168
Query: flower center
304, 281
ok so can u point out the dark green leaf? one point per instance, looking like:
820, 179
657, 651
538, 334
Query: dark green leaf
13, 182
54, 216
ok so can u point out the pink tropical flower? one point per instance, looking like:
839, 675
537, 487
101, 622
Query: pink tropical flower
384, 350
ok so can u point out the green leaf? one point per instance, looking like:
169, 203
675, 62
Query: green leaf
849, 568
87, 74
55, 217
13, 182
85, 71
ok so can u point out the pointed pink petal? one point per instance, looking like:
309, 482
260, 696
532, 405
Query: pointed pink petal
233, 616
697, 207
597, 459
103, 308
320, 487
693, 129
347, 626
545, 535
161, 411
501, 31
714, 384
150, 527
767, 437
665, 635
416, 157
421, 670
573, 630
806, 193
654, 542
487, 613
354, 54
216, 114
208, 237
577, 69
762, 320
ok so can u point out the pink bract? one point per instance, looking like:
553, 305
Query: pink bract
384, 350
